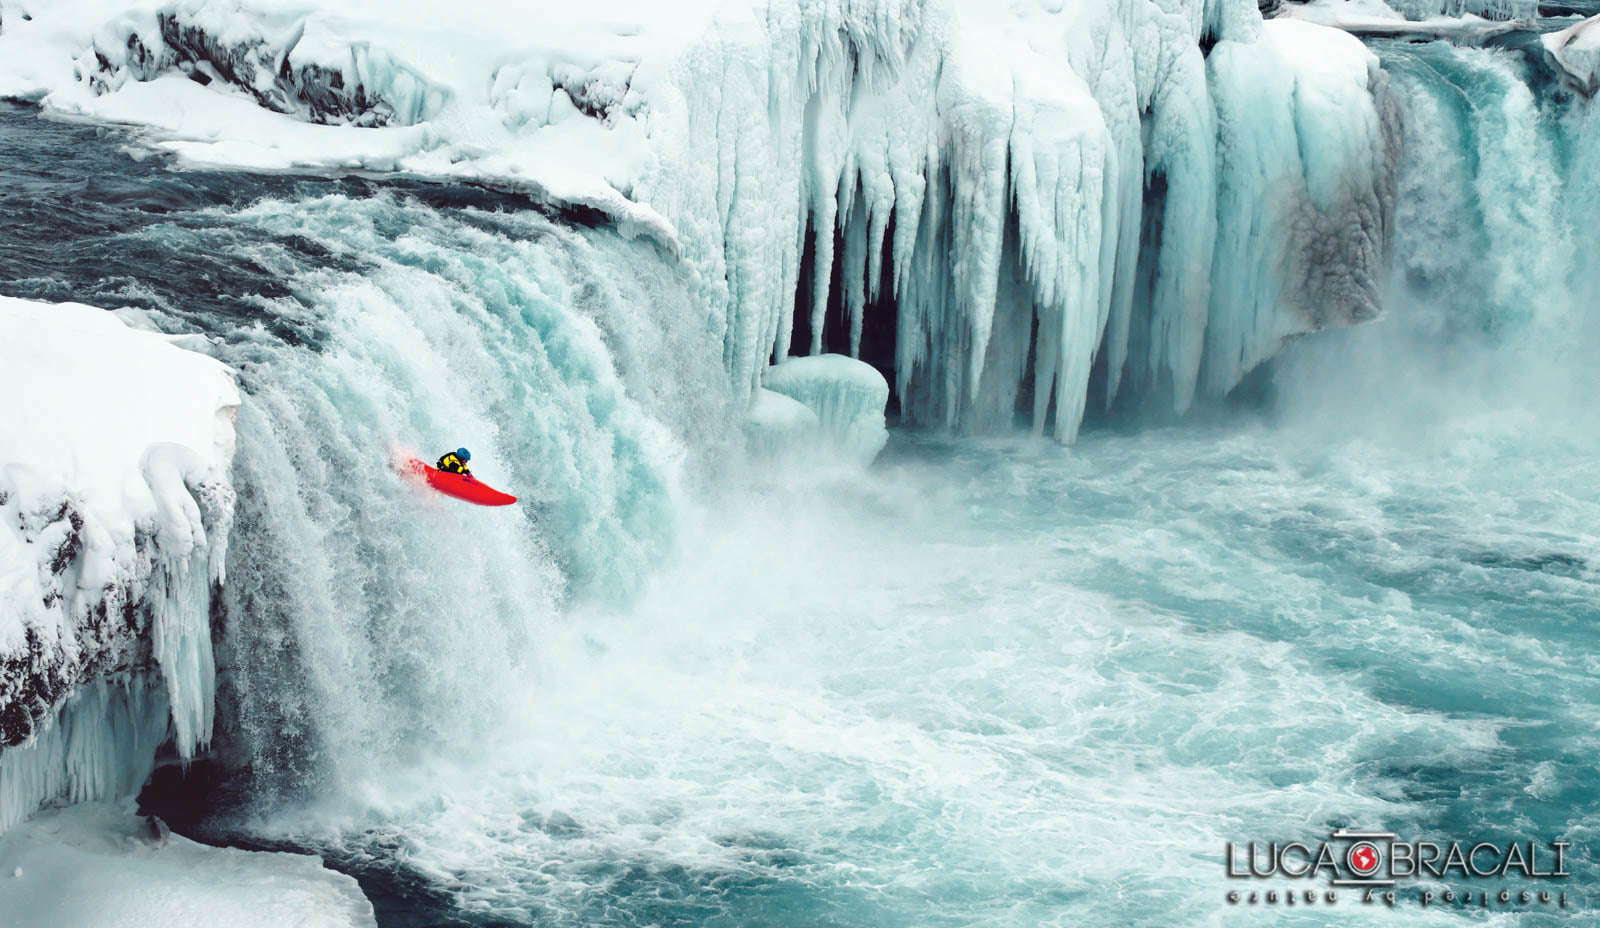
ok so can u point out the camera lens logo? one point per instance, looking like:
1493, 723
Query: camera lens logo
1362, 858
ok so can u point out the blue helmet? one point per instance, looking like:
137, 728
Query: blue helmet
463, 454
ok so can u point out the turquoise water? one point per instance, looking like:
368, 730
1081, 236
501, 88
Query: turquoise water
987, 682
1011, 684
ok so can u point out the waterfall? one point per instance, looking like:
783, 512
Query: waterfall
1490, 298
908, 694
365, 623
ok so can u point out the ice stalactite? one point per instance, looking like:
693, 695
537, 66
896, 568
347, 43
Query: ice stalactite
100, 744
1028, 195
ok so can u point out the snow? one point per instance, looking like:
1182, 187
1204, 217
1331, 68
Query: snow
1077, 170
102, 865
487, 96
1576, 51
1376, 18
1340, 12
846, 398
116, 503
1446, 16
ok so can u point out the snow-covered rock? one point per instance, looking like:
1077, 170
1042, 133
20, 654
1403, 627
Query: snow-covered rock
115, 507
846, 398
1576, 52
1029, 187
103, 866
1455, 22
101, 743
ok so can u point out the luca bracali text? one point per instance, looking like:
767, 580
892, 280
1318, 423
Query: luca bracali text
1372, 868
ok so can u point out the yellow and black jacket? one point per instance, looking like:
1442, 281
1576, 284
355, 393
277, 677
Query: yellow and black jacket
451, 464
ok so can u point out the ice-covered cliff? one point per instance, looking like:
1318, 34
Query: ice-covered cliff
1576, 53
115, 507
1149, 195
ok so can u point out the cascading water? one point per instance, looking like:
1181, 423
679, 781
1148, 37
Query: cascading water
375, 624
984, 683
1491, 301
364, 622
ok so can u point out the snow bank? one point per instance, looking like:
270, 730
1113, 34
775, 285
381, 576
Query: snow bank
101, 865
1074, 170
1463, 17
1576, 52
845, 397
116, 505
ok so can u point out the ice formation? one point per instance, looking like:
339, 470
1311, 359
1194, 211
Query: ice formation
99, 865
986, 202
846, 399
1576, 51
777, 426
1162, 191
101, 743
115, 498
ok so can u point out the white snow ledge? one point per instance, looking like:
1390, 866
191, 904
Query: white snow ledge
115, 507
1576, 51
534, 98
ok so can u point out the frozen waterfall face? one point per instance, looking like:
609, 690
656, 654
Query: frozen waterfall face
1169, 193
1023, 206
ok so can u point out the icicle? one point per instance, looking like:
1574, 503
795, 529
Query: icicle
855, 276
873, 117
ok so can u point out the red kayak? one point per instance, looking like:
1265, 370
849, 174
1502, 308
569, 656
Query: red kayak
462, 487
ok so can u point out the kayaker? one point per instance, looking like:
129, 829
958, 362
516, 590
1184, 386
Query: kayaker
455, 462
